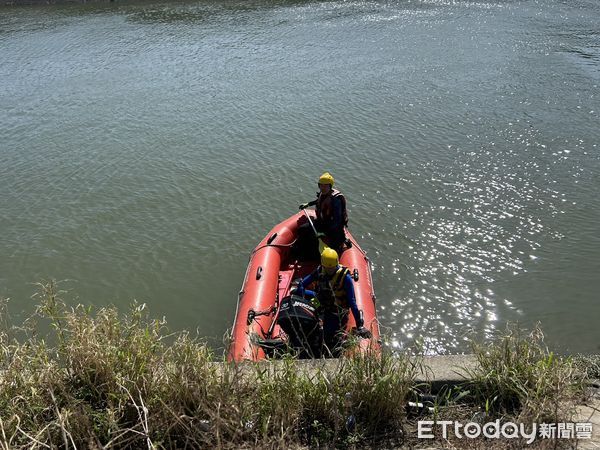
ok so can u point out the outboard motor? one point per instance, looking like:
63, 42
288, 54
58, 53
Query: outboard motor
299, 320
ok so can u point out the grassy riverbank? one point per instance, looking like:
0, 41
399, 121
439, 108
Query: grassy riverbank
108, 380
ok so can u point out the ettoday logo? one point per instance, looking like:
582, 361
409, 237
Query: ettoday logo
507, 430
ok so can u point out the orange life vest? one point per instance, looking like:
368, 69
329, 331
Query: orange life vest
324, 206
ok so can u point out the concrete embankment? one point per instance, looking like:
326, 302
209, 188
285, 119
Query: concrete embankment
437, 373
451, 370
590, 413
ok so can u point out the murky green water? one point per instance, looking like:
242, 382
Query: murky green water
146, 148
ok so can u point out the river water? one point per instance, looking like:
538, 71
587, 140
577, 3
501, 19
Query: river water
146, 148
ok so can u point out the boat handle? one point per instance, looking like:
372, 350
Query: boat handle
272, 238
250, 317
259, 272
355, 274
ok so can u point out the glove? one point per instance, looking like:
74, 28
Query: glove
363, 332
303, 206
299, 290
314, 302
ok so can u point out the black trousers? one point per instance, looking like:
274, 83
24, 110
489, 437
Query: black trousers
307, 245
334, 324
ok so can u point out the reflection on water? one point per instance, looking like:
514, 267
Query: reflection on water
482, 225
169, 15
488, 214
147, 147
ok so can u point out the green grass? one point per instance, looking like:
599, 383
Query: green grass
104, 379
123, 381
518, 376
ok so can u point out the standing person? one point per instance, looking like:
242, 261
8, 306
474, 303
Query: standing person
332, 216
335, 295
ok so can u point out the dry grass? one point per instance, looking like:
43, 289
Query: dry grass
101, 379
519, 377
123, 381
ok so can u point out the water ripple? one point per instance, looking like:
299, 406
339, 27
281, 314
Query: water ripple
147, 148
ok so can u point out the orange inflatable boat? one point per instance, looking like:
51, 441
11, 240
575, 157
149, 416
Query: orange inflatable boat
270, 318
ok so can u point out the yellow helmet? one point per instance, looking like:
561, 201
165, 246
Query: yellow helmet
329, 258
326, 178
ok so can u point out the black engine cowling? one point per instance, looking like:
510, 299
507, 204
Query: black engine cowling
300, 321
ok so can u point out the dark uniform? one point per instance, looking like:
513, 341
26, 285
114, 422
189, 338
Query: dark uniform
335, 296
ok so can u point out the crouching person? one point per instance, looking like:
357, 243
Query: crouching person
335, 294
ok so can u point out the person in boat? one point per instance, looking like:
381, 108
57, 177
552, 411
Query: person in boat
332, 216
334, 294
